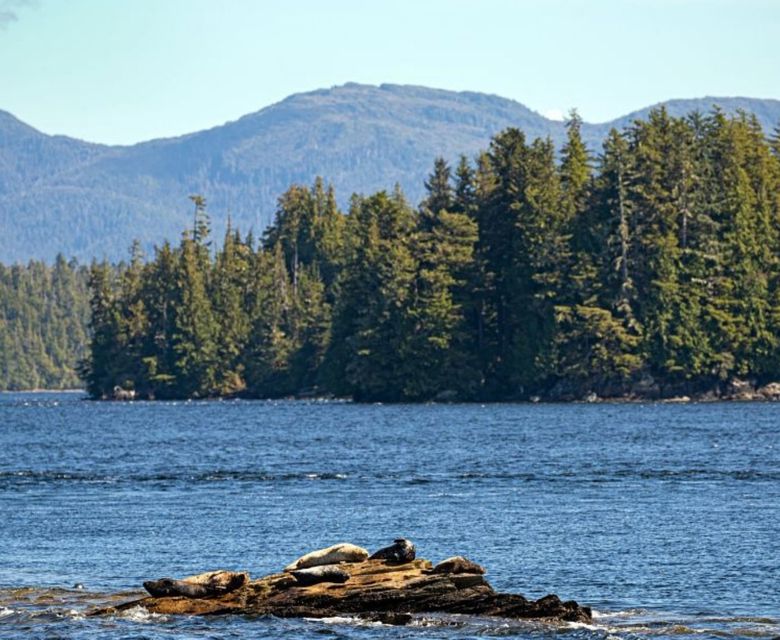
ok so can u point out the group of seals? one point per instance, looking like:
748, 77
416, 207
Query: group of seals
203, 585
315, 567
402, 550
322, 565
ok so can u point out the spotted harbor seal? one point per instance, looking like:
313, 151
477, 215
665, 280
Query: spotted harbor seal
458, 564
342, 552
321, 573
202, 585
402, 550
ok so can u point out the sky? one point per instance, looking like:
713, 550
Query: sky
123, 71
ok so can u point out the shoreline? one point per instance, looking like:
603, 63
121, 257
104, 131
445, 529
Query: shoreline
43, 391
747, 398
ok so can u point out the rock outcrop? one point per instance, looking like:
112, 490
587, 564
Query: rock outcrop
376, 590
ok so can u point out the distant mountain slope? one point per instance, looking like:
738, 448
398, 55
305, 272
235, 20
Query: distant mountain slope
58, 194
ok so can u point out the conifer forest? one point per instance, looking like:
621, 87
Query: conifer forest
648, 267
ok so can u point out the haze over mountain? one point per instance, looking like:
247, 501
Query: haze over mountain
59, 194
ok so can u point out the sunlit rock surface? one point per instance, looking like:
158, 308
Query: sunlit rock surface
376, 590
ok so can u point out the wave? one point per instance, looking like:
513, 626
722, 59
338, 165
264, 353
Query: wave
646, 623
35, 477
22, 477
139, 614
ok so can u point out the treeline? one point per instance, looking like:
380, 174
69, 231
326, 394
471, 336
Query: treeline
651, 269
44, 312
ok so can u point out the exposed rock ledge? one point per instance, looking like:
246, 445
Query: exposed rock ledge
376, 590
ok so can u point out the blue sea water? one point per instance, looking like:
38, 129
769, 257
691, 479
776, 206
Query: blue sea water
663, 518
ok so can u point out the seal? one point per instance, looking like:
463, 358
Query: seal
458, 564
321, 573
342, 552
202, 585
402, 550
221, 581
171, 588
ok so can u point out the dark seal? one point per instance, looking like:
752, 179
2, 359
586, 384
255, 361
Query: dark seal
402, 550
170, 588
323, 573
213, 583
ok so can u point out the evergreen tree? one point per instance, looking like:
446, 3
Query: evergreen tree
160, 295
194, 337
440, 194
230, 283
100, 370
774, 141
444, 251
576, 170
465, 198
271, 343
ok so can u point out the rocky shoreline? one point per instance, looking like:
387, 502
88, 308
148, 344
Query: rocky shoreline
644, 389
648, 389
376, 589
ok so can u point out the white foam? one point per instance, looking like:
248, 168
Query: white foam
584, 625
346, 620
75, 614
139, 614
614, 614
610, 631
5, 611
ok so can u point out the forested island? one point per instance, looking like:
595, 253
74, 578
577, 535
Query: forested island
528, 273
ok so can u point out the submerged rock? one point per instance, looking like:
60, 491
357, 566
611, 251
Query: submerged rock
375, 590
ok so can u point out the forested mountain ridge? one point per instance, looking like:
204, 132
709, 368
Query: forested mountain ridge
88, 200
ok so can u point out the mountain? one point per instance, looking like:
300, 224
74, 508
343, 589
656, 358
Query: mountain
58, 194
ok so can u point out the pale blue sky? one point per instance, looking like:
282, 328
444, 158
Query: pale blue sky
121, 71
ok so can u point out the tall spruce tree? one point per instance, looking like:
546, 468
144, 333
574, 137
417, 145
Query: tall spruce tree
229, 286
444, 251
194, 338
101, 371
272, 341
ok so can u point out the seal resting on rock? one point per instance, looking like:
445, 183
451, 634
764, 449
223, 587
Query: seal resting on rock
203, 585
321, 573
170, 588
402, 550
458, 564
342, 552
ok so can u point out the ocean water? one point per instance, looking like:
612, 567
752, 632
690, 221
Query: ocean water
663, 518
